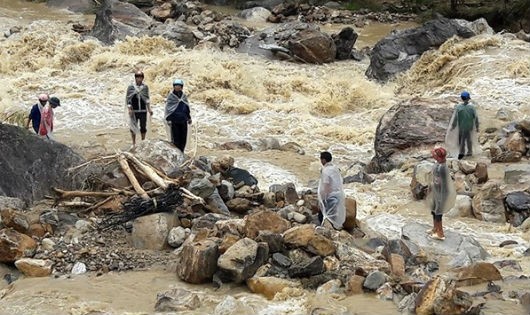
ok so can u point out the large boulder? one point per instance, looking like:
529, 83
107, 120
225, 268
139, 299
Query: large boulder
177, 32
407, 128
177, 300
264, 220
242, 259
151, 231
463, 207
117, 20
398, 51
11, 218
313, 46
198, 261
15, 245
439, 297
464, 249
476, 273
488, 203
344, 42
34, 267
162, 154
256, 14
31, 166
308, 238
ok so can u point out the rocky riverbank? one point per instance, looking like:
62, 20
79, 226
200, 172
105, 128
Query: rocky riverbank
266, 240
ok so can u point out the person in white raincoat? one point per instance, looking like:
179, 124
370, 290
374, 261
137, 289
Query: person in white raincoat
442, 193
330, 193
137, 104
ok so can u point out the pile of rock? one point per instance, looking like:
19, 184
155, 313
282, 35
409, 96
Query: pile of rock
511, 143
291, 11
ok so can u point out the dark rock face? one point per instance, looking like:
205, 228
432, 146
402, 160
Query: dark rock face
31, 166
407, 126
397, 52
517, 206
344, 42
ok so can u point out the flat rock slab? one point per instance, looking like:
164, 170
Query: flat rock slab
465, 248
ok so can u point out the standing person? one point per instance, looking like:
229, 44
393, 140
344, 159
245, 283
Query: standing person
463, 129
138, 105
177, 114
46, 122
35, 113
330, 193
442, 195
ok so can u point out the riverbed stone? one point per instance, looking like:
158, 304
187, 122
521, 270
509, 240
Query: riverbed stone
476, 273
374, 280
481, 172
177, 236
517, 174
351, 214
274, 240
330, 287
34, 267
264, 220
421, 179
177, 300
488, 203
239, 205
242, 259
198, 261
463, 207
306, 236
311, 267
11, 218
269, 286
151, 231
15, 245
355, 285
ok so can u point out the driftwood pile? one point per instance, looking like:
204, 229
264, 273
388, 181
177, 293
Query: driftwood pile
128, 203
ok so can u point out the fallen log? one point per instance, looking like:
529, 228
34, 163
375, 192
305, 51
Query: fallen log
65, 194
132, 179
147, 170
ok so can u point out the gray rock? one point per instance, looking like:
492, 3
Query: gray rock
274, 240
281, 260
242, 259
216, 204
208, 220
462, 208
13, 203
201, 187
344, 42
256, 14
177, 236
421, 179
226, 190
374, 280
177, 32
161, 154
517, 174
177, 300
397, 52
310, 267
465, 249
151, 231
518, 201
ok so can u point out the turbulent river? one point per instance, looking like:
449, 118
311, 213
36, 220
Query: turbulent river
238, 97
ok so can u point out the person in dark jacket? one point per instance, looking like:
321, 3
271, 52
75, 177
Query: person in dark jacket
36, 111
177, 114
